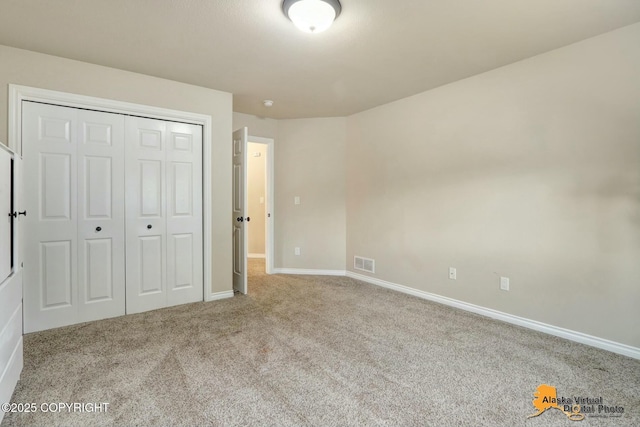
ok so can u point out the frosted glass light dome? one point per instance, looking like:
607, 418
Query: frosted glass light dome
312, 16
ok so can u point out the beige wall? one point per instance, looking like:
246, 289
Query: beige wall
256, 183
49, 72
310, 163
530, 171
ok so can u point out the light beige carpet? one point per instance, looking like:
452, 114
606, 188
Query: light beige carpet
320, 351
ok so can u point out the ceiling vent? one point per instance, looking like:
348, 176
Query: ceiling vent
364, 264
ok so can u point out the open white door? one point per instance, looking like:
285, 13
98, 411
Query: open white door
238, 219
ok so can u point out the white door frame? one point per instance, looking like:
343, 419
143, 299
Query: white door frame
18, 93
269, 196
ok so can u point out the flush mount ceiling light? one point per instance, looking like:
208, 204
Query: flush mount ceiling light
312, 16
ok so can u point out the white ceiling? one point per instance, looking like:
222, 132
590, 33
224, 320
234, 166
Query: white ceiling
376, 52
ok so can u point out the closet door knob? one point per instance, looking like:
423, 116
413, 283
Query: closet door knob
23, 213
12, 214
149, 227
98, 229
248, 218
240, 219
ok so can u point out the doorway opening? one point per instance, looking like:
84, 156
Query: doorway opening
259, 189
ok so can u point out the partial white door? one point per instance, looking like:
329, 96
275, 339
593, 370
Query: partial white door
101, 281
72, 273
163, 214
7, 215
184, 214
146, 267
240, 242
11, 354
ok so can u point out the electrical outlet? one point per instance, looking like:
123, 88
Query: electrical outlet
504, 283
296, 200
452, 273
296, 251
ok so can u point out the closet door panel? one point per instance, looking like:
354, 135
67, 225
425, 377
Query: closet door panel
150, 188
49, 139
74, 232
184, 213
98, 264
145, 170
101, 247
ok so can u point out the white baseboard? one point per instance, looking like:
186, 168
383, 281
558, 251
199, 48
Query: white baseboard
304, 271
256, 256
220, 295
615, 347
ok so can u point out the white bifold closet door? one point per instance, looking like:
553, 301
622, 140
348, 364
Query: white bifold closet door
74, 229
114, 215
164, 213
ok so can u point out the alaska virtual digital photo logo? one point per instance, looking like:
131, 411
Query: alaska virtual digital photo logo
575, 408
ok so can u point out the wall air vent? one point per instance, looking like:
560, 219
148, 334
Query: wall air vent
364, 264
